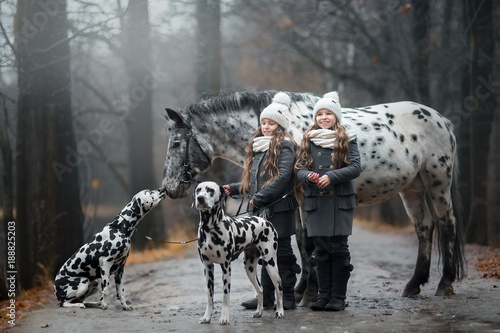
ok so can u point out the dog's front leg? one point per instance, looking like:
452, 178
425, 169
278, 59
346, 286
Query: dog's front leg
226, 279
105, 274
209, 277
120, 288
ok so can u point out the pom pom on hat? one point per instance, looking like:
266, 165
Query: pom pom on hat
278, 110
329, 101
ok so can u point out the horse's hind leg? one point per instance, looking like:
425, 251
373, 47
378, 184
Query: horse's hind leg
418, 211
450, 235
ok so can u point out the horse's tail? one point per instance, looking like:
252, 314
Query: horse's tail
459, 261
458, 264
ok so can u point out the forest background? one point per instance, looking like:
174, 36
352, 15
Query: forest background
83, 85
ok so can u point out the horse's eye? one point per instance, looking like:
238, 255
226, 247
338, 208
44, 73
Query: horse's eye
176, 144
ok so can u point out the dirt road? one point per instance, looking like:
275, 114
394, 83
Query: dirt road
169, 296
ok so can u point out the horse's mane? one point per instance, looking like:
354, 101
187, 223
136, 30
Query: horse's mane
230, 101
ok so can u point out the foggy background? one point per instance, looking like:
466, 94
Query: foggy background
83, 85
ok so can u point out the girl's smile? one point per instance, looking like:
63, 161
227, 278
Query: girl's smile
325, 118
268, 126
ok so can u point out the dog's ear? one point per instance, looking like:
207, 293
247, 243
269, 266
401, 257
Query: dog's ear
223, 196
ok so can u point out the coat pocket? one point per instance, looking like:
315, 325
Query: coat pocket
310, 204
347, 201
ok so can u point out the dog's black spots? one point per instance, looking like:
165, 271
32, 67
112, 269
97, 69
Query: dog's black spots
227, 237
271, 262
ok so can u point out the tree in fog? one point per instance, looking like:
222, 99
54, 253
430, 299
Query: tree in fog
137, 51
49, 216
480, 102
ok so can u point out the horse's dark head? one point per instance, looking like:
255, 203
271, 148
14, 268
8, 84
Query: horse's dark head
187, 155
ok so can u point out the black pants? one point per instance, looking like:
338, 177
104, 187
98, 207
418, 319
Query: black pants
333, 266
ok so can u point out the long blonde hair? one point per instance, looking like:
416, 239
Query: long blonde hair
340, 148
273, 156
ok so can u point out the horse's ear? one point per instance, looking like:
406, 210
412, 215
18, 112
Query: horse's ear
175, 116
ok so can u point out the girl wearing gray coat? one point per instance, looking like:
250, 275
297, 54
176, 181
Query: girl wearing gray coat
268, 176
328, 161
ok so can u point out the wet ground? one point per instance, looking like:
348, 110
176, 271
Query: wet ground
169, 296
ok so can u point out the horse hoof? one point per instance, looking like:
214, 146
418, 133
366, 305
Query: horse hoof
411, 291
444, 290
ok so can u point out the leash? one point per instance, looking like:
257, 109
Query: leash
237, 214
166, 242
272, 203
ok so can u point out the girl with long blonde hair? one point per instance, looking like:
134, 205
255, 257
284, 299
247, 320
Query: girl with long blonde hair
268, 180
328, 162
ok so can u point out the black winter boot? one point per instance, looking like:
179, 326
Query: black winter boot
341, 272
324, 273
288, 270
267, 293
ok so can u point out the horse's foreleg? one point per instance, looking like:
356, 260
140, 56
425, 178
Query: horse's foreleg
418, 211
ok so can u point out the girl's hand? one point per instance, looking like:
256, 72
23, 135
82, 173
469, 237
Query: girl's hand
313, 177
324, 181
227, 189
251, 203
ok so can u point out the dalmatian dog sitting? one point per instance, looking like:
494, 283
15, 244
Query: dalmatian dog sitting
222, 238
94, 263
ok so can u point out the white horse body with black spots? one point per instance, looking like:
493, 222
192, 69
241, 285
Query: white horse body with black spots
406, 148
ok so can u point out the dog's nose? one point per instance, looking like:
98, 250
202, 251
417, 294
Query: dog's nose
201, 200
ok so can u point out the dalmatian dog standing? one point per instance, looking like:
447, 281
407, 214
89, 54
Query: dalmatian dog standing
221, 239
104, 256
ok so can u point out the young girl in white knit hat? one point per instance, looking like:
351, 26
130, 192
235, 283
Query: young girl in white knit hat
327, 163
268, 175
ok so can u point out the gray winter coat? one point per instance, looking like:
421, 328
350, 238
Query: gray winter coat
330, 210
282, 210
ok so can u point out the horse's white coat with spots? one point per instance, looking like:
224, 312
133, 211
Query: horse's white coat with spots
406, 148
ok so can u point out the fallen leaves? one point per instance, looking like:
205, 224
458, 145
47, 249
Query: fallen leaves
489, 264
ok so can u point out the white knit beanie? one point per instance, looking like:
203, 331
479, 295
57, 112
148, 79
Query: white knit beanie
329, 101
278, 110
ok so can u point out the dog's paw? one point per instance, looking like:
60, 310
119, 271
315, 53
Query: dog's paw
224, 320
257, 314
204, 320
73, 305
127, 307
103, 306
280, 314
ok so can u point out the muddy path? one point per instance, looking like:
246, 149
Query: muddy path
169, 296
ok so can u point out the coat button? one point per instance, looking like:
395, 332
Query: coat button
321, 194
331, 167
319, 154
320, 167
331, 154
331, 192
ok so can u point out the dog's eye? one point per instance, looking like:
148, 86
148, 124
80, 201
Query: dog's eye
176, 144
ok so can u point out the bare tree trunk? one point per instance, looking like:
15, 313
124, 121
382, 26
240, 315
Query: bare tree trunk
49, 215
139, 121
8, 204
494, 184
208, 39
481, 103
421, 20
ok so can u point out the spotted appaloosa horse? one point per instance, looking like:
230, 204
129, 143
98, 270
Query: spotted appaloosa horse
405, 148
